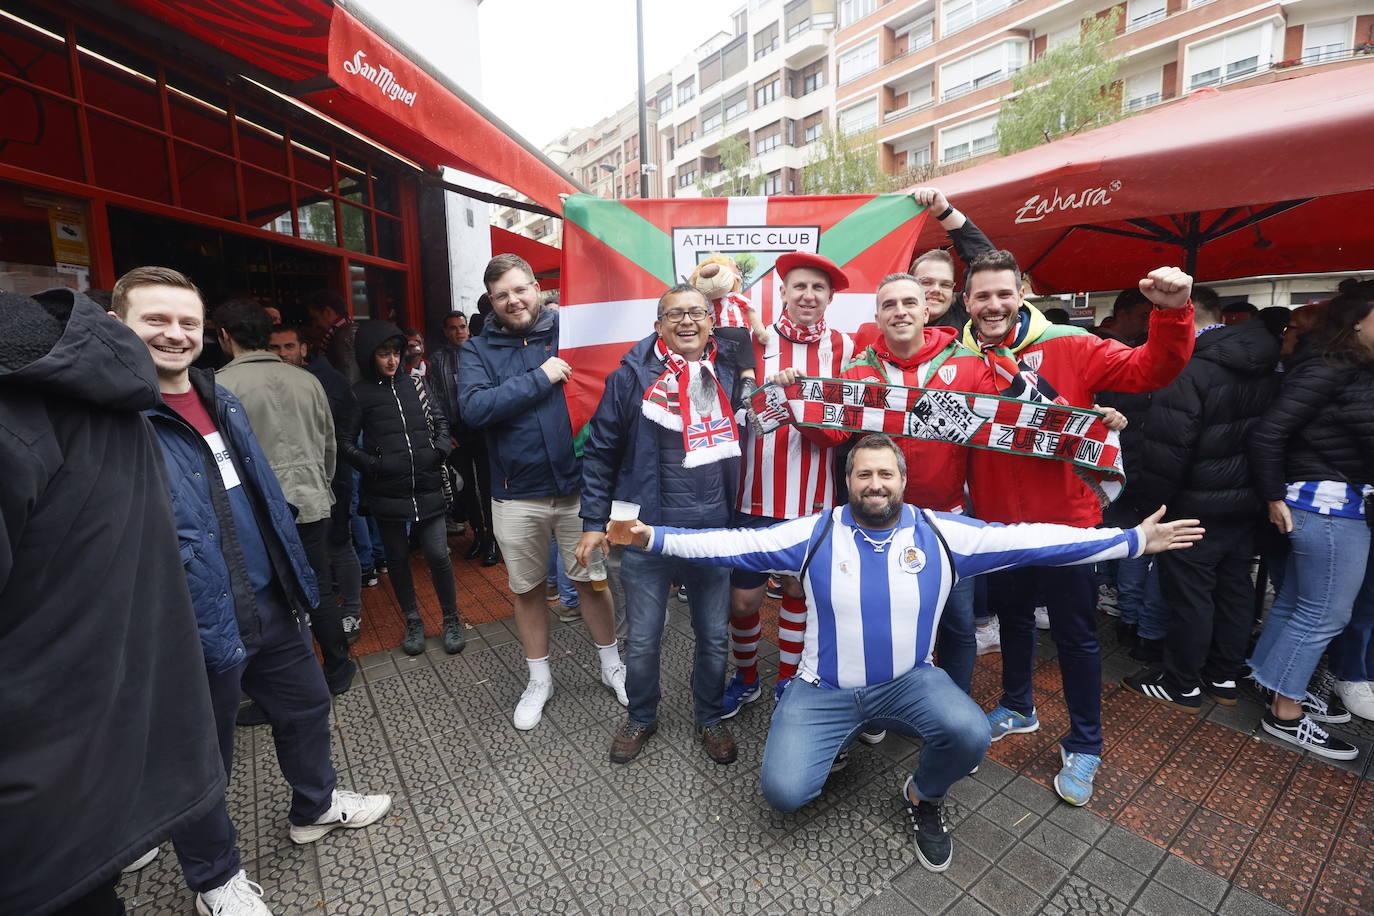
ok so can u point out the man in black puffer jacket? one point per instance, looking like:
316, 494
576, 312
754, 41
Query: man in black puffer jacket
1195, 463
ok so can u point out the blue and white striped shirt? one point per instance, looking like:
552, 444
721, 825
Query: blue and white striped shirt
872, 615
1328, 497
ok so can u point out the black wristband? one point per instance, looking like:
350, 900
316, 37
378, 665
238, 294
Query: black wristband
949, 211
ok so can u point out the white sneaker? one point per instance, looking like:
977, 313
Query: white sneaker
1107, 601
348, 810
530, 709
142, 861
236, 897
614, 679
988, 637
1042, 618
1358, 697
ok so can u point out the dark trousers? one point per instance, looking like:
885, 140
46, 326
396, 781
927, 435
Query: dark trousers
283, 678
1070, 593
1211, 602
326, 620
474, 502
432, 537
103, 901
348, 579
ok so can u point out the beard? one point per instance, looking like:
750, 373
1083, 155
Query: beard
879, 517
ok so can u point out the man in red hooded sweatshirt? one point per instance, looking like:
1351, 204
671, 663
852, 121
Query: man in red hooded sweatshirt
1026, 357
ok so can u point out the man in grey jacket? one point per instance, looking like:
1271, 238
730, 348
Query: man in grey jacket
290, 415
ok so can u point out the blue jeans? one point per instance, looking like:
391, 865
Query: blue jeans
1352, 653
812, 724
1070, 593
567, 592
283, 678
954, 644
1324, 575
1139, 597
646, 579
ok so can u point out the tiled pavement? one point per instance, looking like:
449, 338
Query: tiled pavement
491, 820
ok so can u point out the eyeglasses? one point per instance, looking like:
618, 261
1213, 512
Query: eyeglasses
673, 316
932, 283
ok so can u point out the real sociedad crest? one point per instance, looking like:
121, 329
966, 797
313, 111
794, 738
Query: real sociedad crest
912, 559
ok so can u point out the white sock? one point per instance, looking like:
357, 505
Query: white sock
539, 669
610, 655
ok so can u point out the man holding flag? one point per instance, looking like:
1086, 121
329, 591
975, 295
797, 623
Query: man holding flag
664, 437
1027, 358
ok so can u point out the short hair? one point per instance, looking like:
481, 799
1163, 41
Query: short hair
990, 262
452, 315
1057, 316
1205, 299
147, 276
934, 254
896, 278
873, 442
246, 322
1245, 306
323, 299
678, 289
288, 329
500, 265
1129, 298
410, 332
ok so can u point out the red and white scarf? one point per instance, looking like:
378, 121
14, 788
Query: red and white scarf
798, 334
707, 435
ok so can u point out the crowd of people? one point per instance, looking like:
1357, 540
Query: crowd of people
313, 460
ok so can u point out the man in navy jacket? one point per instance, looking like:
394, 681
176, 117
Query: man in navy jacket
647, 450
510, 386
250, 583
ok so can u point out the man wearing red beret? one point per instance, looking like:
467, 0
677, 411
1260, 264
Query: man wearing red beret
787, 473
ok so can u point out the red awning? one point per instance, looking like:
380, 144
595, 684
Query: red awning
543, 258
332, 58
1271, 179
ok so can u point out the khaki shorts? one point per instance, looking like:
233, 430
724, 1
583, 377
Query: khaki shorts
523, 528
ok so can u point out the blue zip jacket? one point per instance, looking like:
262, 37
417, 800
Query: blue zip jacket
226, 610
503, 392
629, 457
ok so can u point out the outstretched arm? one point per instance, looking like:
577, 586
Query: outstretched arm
983, 547
779, 548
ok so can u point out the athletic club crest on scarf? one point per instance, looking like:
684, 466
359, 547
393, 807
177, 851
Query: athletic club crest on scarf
688, 398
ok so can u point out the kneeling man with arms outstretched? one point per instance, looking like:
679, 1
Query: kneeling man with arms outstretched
877, 573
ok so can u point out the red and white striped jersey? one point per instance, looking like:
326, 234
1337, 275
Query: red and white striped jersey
732, 311
785, 474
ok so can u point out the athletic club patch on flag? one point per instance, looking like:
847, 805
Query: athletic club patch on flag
620, 255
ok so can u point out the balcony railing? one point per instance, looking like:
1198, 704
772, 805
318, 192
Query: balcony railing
1148, 19
990, 79
1140, 103
908, 110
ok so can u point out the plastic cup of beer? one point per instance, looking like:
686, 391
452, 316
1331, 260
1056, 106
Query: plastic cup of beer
624, 516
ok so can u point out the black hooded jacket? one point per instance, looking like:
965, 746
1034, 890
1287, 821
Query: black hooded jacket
1193, 443
1320, 426
400, 457
109, 737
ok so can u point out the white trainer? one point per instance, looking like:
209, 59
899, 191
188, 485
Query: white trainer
988, 637
614, 679
236, 897
142, 861
1358, 697
1042, 618
349, 810
530, 709
1107, 599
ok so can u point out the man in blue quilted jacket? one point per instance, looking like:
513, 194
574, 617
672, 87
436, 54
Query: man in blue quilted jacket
251, 586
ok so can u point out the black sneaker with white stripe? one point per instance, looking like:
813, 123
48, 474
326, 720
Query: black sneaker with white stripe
1155, 686
1323, 703
934, 847
1309, 736
1225, 693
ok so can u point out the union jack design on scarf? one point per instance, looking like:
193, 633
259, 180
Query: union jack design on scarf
710, 433
707, 435
1034, 428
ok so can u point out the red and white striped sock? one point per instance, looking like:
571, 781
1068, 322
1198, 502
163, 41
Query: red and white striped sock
744, 645
791, 634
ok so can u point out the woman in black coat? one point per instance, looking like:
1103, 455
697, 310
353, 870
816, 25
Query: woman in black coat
401, 459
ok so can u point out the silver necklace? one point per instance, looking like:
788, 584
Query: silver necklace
876, 545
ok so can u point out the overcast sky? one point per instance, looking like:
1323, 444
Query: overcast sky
551, 65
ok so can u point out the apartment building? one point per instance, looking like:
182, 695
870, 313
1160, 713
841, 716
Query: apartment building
603, 158
766, 81
929, 75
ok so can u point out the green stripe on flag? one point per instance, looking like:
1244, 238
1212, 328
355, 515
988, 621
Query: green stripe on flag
857, 232
624, 231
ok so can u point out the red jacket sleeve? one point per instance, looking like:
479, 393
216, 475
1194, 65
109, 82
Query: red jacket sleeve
1112, 366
